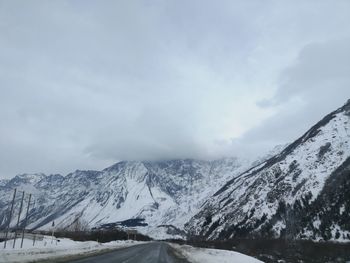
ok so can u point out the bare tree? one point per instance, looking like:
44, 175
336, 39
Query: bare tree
78, 225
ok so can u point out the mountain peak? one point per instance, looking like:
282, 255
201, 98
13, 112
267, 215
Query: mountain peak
346, 107
31, 178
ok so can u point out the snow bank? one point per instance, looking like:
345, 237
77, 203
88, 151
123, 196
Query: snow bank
205, 255
49, 249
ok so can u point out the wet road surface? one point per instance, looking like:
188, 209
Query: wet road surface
156, 252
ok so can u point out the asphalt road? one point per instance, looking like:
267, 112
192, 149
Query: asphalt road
155, 252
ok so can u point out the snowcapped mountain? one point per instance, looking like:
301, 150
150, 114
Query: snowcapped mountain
143, 194
301, 192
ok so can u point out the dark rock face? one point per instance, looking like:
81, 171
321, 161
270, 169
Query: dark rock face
299, 193
331, 209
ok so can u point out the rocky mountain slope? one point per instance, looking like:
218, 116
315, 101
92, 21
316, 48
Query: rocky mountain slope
142, 194
302, 192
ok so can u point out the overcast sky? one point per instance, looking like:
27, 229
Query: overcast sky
84, 84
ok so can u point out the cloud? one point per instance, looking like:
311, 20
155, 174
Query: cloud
321, 69
317, 83
84, 84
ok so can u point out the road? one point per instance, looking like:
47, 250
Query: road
155, 252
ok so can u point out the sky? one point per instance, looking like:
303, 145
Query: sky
84, 84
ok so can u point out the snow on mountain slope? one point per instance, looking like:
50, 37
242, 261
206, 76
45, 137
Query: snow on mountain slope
273, 198
166, 193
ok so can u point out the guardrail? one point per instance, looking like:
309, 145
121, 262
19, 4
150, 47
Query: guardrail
31, 236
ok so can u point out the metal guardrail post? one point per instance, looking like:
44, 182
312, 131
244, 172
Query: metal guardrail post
25, 222
8, 225
19, 216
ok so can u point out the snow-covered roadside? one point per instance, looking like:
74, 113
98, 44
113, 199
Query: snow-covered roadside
205, 255
46, 249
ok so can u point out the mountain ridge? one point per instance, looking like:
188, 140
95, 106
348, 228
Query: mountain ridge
277, 196
252, 203
162, 192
